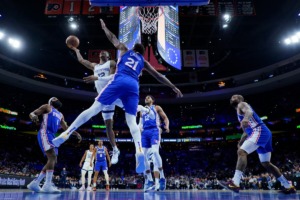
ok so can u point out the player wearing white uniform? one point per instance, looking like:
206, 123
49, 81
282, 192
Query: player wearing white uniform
87, 159
103, 73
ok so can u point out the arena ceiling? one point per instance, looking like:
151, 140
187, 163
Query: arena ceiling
250, 42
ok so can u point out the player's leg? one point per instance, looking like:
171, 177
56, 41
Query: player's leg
49, 167
35, 184
106, 178
81, 119
130, 102
90, 172
157, 161
264, 154
159, 172
148, 176
95, 180
107, 114
83, 172
247, 148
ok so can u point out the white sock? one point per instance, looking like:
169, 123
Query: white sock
156, 181
84, 117
149, 176
237, 177
135, 132
161, 173
41, 176
115, 148
49, 174
94, 184
284, 181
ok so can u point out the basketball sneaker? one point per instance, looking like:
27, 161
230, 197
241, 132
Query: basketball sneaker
34, 186
149, 186
82, 188
60, 139
49, 188
230, 185
157, 187
89, 188
140, 162
290, 190
115, 157
107, 187
162, 184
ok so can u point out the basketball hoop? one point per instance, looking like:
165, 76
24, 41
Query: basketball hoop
149, 16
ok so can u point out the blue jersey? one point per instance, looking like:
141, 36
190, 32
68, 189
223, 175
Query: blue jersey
254, 120
51, 121
130, 64
100, 154
150, 120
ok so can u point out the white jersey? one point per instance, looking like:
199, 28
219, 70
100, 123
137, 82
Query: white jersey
101, 70
86, 165
88, 157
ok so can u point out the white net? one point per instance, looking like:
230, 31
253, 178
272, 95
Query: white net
149, 16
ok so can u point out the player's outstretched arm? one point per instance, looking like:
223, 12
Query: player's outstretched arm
113, 39
162, 79
84, 62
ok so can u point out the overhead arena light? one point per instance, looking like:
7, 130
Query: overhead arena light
73, 26
14, 43
2, 35
226, 17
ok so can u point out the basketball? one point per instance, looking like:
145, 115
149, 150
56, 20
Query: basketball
72, 41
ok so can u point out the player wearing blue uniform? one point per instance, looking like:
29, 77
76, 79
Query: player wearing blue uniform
100, 154
257, 137
150, 127
52, 120
125, 86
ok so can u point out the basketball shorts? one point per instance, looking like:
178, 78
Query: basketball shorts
108, 110
102, 165
45, 141
124, 88
150, 137
87, 167
262, 137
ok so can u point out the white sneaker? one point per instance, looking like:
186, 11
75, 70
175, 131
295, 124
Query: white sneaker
49, 188
157, 187
89, 188
115, 157
34, 186
140, 162
82, 188
60, 139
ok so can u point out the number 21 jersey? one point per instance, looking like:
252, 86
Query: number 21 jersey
130, 64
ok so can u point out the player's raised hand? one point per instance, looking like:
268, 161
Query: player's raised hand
102, 24
178, 92
90, 79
